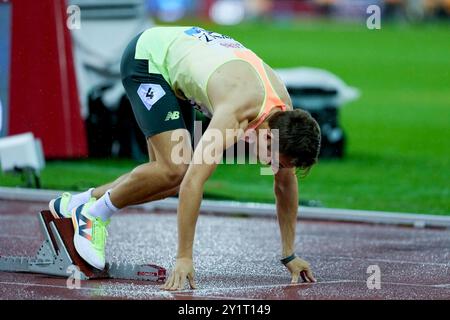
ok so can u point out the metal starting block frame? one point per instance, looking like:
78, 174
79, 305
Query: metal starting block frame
57, 254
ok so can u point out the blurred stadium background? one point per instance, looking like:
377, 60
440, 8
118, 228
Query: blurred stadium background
382, 97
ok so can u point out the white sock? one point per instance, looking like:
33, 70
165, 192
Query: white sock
79, 199
103, 208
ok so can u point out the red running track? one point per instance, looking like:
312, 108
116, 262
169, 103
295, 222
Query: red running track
237, 258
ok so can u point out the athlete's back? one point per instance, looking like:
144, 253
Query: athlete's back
186, 57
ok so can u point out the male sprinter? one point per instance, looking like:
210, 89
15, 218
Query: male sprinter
166, 70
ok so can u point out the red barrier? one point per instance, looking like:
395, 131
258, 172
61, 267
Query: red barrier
43, 91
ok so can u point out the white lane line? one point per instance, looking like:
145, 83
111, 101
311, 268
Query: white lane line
164, 294
160, 294
395, 284
209, 292
415, 285
382, 260
270, 286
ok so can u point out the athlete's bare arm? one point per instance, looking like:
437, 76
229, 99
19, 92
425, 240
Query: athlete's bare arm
237, 94
286, 193
191, 191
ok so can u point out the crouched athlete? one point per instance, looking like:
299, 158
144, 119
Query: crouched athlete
165, 71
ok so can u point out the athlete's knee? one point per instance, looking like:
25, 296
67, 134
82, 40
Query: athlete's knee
169, 177
175, 173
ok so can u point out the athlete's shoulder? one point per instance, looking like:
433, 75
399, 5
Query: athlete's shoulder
279, 86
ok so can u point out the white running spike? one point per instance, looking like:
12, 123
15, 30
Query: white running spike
53, 258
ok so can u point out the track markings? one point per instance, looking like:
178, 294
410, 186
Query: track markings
209, 293
383, 260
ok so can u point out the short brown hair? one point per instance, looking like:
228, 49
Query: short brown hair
299, 137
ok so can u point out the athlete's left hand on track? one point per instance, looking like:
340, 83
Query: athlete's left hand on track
299, 267
184, 269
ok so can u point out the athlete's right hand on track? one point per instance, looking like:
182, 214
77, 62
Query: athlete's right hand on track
184, 269
300, 268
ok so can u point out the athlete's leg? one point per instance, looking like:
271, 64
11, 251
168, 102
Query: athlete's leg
188, 115
100, 191
160, 117
159, 196
159, 176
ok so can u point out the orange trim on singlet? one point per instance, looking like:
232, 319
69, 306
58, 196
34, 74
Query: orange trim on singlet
271, 100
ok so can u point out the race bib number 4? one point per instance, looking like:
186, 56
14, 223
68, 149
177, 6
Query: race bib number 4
150, 94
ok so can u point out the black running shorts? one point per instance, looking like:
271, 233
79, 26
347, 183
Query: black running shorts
155, 106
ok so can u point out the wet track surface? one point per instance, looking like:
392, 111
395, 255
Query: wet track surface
238, 258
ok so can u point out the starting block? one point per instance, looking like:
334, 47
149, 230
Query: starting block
57, 255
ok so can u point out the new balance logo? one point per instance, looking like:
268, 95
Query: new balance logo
172, 115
